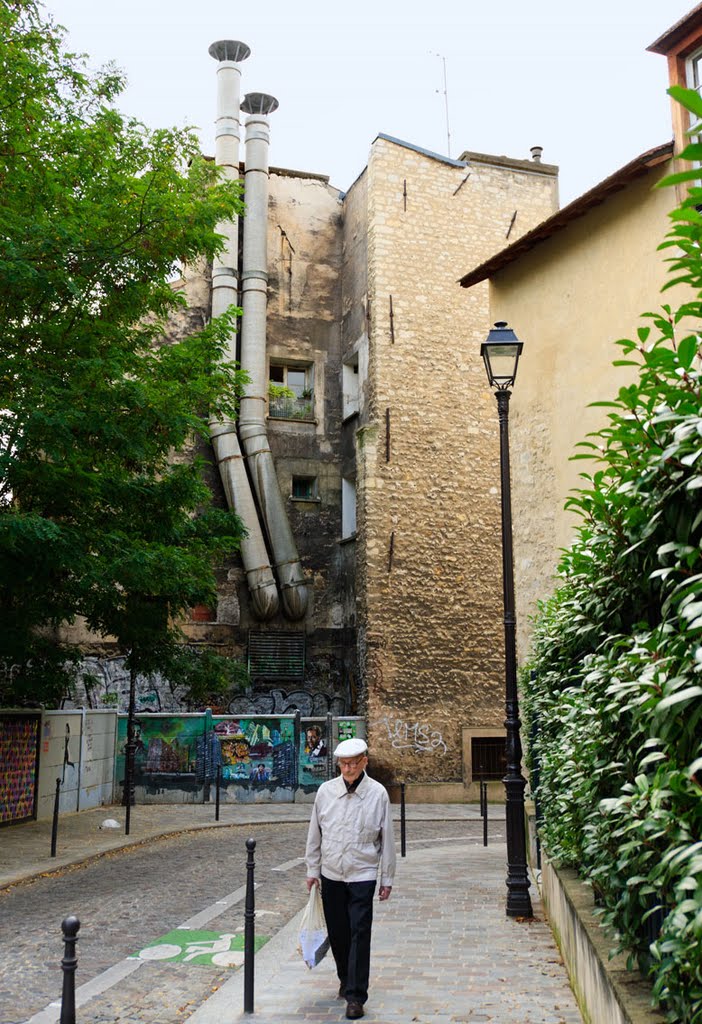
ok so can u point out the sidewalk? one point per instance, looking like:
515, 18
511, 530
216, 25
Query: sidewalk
444, 952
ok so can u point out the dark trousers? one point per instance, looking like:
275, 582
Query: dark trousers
348, 910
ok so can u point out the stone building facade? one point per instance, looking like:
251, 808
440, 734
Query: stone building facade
389, 464
384, 438
428, 568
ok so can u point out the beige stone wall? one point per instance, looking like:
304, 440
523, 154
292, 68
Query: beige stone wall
569, 300
428, 558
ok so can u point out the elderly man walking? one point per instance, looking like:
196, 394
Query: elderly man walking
351, 848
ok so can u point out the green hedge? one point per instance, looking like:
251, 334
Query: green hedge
615, 703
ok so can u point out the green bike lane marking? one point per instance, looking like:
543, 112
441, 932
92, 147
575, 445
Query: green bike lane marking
204, 948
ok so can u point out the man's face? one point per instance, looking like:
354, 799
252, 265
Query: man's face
351, 767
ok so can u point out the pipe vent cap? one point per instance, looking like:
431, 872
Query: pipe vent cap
229, 49
259, 103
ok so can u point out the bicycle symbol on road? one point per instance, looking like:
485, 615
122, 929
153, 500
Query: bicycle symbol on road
208, 949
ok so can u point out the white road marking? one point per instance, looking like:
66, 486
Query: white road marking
84, 993
289, 864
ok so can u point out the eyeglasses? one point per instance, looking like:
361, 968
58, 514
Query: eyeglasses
351, 764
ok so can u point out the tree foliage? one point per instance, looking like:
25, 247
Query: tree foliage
97, 517
617, 695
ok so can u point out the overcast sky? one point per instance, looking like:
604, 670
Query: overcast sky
572, 77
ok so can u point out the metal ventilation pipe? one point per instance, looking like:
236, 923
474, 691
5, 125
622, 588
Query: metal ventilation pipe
252, 416
259, 575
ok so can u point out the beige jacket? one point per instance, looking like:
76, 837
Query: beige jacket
350, 838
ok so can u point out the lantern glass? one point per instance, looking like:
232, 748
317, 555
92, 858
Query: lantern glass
501, 351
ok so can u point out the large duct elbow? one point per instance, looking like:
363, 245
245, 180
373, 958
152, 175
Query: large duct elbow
259, 575
252, 418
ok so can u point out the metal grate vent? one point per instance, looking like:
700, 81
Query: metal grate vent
489, 756
276, 655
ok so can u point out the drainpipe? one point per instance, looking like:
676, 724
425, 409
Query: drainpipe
259, 575
252, 415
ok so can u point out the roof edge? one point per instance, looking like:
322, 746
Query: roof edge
418, 149
677, 33
515, 163
577, 208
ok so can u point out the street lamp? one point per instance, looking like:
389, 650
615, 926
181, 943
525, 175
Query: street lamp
501, 351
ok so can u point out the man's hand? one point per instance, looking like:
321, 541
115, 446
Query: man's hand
384, 893
310, 882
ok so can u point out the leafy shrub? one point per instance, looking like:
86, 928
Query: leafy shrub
617, 653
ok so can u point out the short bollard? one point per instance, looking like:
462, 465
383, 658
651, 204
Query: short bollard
217, 785
54, 824
249, 916
403, 825
69, 927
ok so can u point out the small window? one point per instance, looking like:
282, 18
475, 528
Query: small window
489, 757
350, 389
290, 392
304, 488
348, 508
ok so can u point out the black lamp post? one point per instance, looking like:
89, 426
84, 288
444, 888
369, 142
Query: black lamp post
501, 351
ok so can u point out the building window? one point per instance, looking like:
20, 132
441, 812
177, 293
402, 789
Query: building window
694, 81
290, 392
489, 758
348, 508
349, 389
304, 488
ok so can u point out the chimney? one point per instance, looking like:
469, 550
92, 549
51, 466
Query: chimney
536, 152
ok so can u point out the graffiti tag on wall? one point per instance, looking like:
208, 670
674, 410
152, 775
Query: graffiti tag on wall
278, 702
412, 736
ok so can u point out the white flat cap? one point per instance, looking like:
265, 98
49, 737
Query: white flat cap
351, 748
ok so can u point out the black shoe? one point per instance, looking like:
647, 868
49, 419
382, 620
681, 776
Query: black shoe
354, 1010
342, 990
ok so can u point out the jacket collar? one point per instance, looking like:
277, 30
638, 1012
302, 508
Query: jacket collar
341, 790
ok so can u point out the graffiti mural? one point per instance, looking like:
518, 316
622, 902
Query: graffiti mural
313, 754
177, 756
19, 752
165, 746
257, 750
348, 730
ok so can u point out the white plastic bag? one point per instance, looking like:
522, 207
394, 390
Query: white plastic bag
313, 941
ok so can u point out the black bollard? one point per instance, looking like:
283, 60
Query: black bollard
485, 815
217, 785
403, 836
69, 927
249, 916
483, 793
54, 824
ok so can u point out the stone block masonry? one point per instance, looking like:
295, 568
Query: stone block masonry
429, 549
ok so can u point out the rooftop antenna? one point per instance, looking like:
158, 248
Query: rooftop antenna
448, 131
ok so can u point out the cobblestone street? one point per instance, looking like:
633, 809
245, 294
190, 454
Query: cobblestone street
128, 899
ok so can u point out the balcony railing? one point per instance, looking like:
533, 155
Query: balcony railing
291, 408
